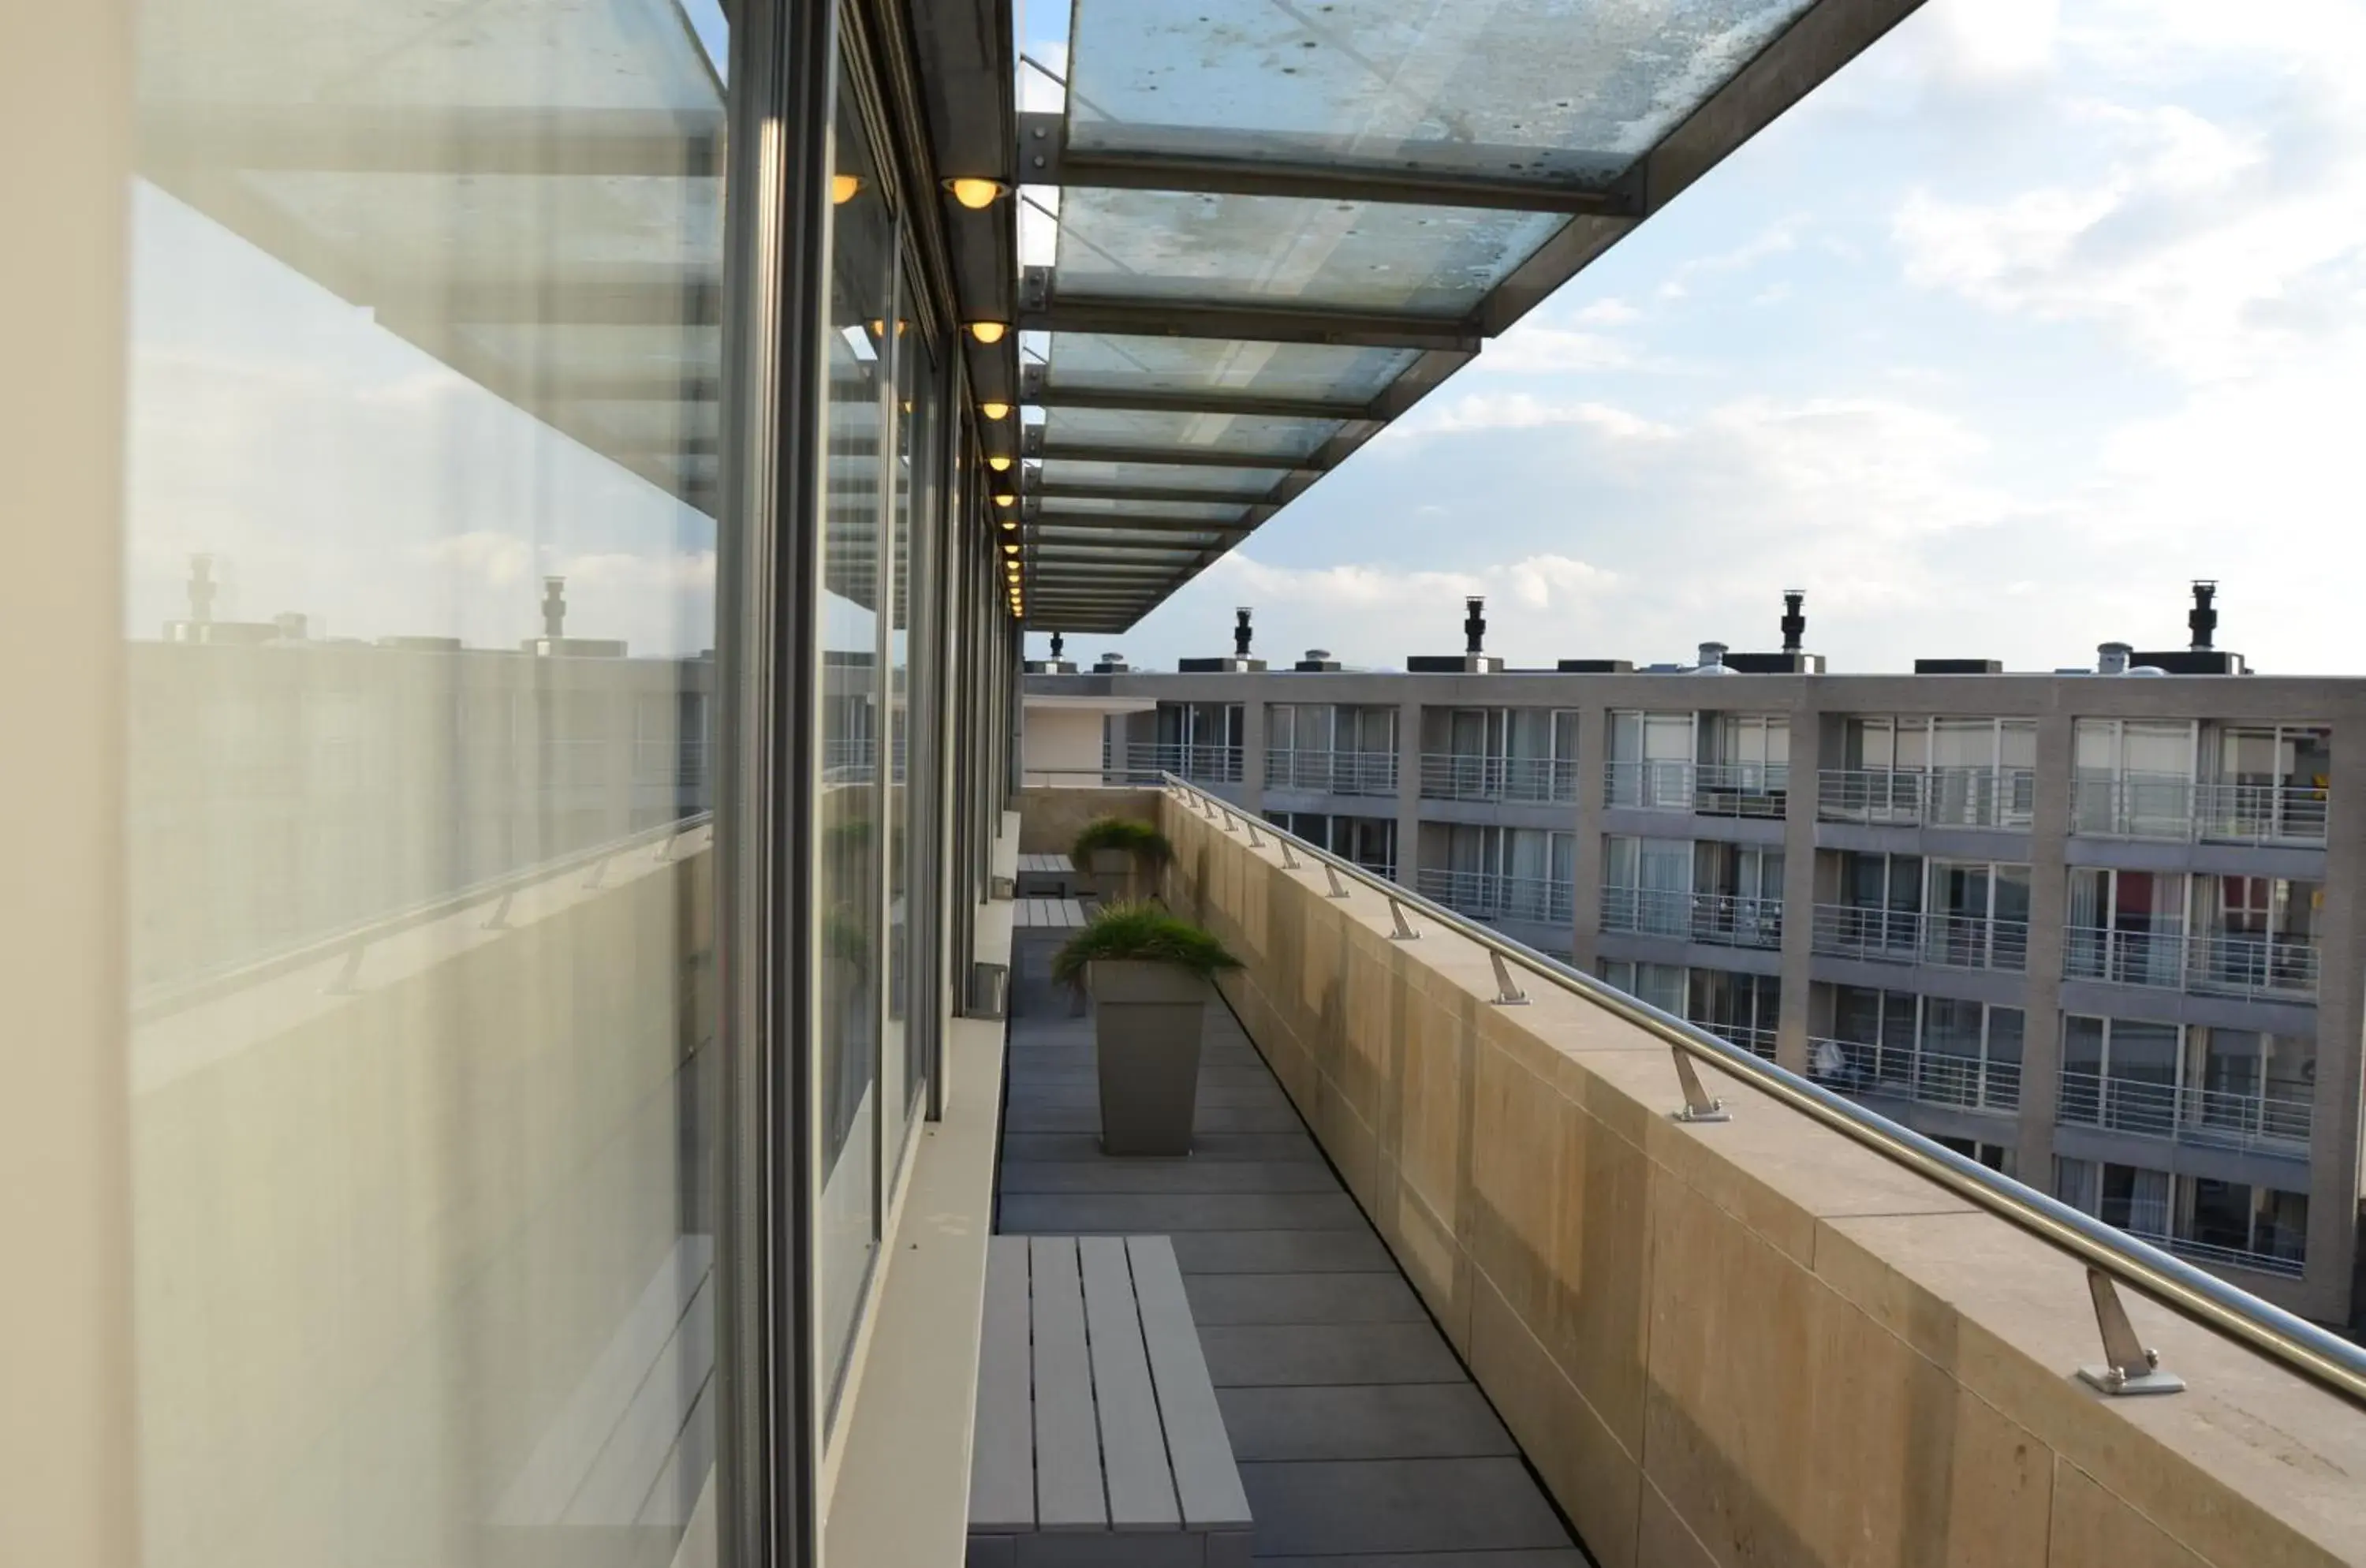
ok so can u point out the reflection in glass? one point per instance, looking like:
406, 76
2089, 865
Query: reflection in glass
854, 573
420, 597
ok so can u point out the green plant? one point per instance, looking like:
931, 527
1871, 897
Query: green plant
1145, 843
1144, 931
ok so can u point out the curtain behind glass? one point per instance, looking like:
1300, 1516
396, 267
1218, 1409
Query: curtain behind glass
421, 596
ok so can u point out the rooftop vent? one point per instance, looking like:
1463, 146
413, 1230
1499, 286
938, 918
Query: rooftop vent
1317, 661
1241, 632
1794, 622
1474, 625
2111, 659
1712, 659
1111, 663
2202, 618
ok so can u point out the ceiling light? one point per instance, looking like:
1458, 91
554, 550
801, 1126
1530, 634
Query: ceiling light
976, 192
1010, 524
995, 411
1000, 465
1006, 501
843, 189
1010, 549
988, 331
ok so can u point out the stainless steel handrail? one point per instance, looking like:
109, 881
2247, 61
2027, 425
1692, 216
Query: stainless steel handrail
2322, 1357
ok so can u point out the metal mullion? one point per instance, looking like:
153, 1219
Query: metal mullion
1086, 490
1245, 322
1035, 389
1172, 456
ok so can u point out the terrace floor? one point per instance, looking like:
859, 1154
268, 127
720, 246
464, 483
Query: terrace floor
1361, 1440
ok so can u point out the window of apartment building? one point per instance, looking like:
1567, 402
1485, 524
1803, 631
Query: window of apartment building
1520, 754
1331, 749
1660, 985
2133, 777
1650, 762
1976, 915
1737, 894
1745, 1009
1492, 871
1647, 884
1879, 911
1369, 842
1199, 741
2215, 1221
1754, 749
1941, 771
2267, 781
1996, 1156
2125, 926
1939, 1050
2192, 1082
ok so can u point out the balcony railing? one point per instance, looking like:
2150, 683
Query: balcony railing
2232, 963
2289, 1265
1705, 789
1721, 920
1331, 772
1485, 896
1937, 797
1461, 775
1931, 1077
2170, 805
1758, 1039
1906, 936
1201, 764
2277, 1121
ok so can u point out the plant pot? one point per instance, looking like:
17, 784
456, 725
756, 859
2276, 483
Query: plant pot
1147, 1023
1112, 873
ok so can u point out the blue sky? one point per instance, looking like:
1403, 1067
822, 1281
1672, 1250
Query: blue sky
2035, 312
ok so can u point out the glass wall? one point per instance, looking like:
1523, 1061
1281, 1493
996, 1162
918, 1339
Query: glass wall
421, 602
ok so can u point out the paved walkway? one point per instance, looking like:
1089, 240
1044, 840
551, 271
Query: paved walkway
1361, 1440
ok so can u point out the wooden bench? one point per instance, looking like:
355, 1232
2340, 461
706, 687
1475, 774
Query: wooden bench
1052, 875
1098, 1440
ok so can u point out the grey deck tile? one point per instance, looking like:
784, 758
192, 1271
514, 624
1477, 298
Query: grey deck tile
1285, 1355
1167, 1176
1280, 1252
1541, 1557
1330, 1509
1400, 1421
1087, 1096
1206, 1145
1145, 1213
1026, 1115
1303, 1298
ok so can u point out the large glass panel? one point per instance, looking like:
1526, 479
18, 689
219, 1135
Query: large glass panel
1153, 245
849, 872
420, 864
1555, 90
1256, 436
1096, 362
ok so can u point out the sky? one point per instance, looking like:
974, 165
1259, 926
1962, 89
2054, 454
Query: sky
2035, 312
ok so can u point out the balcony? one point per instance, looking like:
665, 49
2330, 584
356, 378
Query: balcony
1201, 764
1928, 1077
1721, 920
1701, 789
1938, 797
2217, 963
1484, 896
2275, 1122
1906, 936
1331, 772
2172, 806
1503, 1125
1459, 775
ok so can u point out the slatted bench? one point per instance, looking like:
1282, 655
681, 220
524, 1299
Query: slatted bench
1052, 875
1098, 1440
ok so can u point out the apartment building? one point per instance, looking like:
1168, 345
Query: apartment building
2099, 930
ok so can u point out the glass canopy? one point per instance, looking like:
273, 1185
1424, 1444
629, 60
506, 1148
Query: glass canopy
1281, 224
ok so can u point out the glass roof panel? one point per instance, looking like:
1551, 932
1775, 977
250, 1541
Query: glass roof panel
1156, 245
1097, 362
1187, 543
1568, 90
1253, 437
1245, 485
1054, 507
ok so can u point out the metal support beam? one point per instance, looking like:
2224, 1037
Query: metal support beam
1040, 312
1164, 457
1106, 490
1035, 389
1231, 163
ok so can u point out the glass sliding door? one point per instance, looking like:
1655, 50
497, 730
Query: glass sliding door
851, 879
421, 599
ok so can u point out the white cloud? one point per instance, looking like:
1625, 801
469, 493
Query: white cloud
1521, 411
1777, 239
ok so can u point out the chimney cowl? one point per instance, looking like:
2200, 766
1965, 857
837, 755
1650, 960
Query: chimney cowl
1712, 661
1795, 621
1241, 632
2203, 619
1474, 624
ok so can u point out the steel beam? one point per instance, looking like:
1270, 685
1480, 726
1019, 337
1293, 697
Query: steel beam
1229, 162
1161, 456
1137, 525
1088, 489
1036, 389
1248, 324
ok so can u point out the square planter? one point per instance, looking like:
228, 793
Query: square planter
1147, 1023
1113, 875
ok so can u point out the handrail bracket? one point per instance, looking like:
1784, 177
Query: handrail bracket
2130, 1366
1699, 1104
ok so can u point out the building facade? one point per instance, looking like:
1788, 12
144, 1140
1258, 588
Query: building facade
2099, 931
